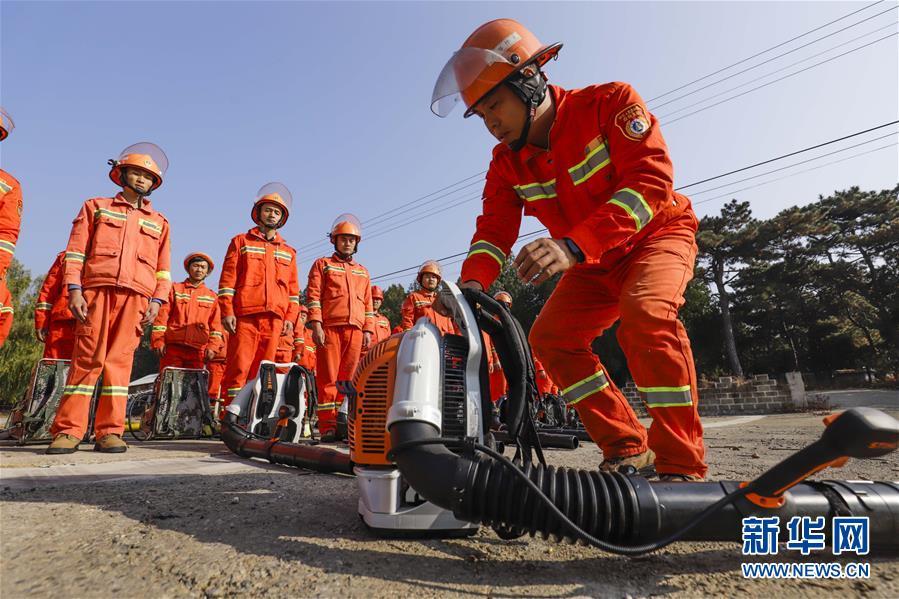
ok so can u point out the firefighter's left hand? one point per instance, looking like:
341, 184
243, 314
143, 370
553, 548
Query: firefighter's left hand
288, 328
541, 259
150, 314
209, 354
366, 340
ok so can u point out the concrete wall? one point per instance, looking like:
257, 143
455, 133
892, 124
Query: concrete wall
732, 396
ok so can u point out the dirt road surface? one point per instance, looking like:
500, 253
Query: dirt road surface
188, 519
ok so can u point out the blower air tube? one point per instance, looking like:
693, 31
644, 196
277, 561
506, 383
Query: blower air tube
613, 508
310, 457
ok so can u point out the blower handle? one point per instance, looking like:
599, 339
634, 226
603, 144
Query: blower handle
855, 433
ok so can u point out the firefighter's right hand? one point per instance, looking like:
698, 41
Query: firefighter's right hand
318, 334
41, 335
230, 323
77, 305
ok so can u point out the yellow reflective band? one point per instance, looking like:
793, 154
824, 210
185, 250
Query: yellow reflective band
252, 249
666, 397
225, 291
485, 247
310, 348
283, 255
163, 275
334, 268
74, 257
597, 158
114, 391
662, 389
328, 406
359, 272
536, 191
113, 214
4, 188
179, 295
150, 225
315, 304
592, 384
7, 310
634, 204
7, 246
43, 306
215, 334
160, 329
206, 299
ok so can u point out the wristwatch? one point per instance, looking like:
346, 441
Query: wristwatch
574, 249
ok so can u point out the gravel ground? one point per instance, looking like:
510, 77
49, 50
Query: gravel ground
284, 533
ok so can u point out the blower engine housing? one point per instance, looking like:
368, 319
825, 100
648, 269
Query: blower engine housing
432, 386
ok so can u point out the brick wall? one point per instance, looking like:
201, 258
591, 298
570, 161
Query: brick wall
731, 396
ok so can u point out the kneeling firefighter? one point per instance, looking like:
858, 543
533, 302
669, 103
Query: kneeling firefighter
592, 166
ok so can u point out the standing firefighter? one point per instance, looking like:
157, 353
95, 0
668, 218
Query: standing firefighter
418, 303
117, 273
54, 324
188, 331
340, 316
382, 324
258, 291
10, 222
544, 383
591, 164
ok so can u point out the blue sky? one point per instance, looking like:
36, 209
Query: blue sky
333, 100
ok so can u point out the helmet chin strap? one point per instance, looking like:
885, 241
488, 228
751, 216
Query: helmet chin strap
532, 91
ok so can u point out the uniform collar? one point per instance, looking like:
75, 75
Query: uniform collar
255, 232
189, 284
336, 257
145, 206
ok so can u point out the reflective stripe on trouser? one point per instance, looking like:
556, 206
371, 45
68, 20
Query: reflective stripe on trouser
181, 356
336, 361
104, 347
60, 340
256, 339
645, 291
216, 373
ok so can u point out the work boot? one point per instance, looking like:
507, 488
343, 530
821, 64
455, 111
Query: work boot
680, 478
329, 437
63, 443
110, 443
641, 463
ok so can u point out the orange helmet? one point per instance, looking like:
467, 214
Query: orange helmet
346, 224
145, 156
491, 55
6, 124
377, 293
273, 193
431, 266
194, 256
504, 297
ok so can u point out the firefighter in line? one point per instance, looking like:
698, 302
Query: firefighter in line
592, 166
418, 303
10, 223
258, 290
117, 274
187, 331
382, 323
54, 324
341, 318
216, 367
544, 383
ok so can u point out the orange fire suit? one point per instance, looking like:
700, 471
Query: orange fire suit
120, 257
187, 325
52, 315
306, 348
10, 223
290, 347
382, 328
216, 368
7, 313
418, 304
339, 296
607, 185
259, 286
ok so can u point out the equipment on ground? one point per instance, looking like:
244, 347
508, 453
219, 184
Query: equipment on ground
279, 385
177, 408
426, 462
31, 418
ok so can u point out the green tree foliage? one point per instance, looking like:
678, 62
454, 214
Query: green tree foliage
393, 303
22, 349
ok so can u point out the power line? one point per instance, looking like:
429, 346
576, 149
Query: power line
769, 83
682, 187
746, 70
748, 58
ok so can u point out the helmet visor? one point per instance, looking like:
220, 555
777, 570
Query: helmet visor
276, 189
347, 217
148, 149
6, 121
471, 72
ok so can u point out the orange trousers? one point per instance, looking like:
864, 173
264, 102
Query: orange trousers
336, 361
216, 373
181, 356
6, 311
104, 346
498, 385
256, 339
60, 340
644, 291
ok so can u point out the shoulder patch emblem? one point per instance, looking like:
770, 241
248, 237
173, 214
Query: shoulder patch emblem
633, 122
